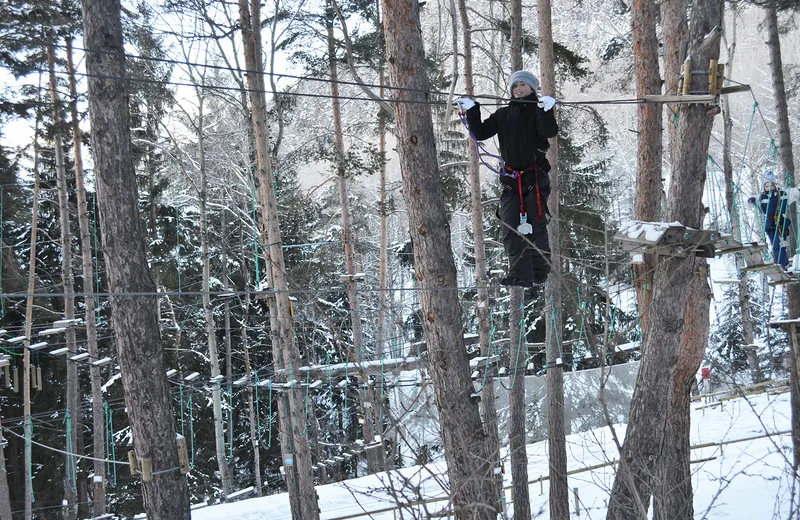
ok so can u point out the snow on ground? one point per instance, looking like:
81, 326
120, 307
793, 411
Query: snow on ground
742, 480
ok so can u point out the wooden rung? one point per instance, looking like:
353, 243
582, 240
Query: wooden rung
133, 461
686, 98
183, 453
146, 466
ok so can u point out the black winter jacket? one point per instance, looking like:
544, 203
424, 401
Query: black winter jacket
522, 130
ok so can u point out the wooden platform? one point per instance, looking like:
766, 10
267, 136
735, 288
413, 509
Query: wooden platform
674, 239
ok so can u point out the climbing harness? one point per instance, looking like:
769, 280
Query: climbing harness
524, 227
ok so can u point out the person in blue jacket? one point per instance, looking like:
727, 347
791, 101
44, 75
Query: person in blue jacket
773, 203
522, 129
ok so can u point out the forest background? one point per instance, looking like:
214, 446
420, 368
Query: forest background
193, 149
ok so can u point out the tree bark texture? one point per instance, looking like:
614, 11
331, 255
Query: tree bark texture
67, 281
556, 430
133, 300
90, 305
516, 438
647, 205
673, 480
488, 404
676, 30
786, 157
470, 470
26, 353
733, 211
295, 448
5, 496
655, 385
374, 456
515, 20
208, 312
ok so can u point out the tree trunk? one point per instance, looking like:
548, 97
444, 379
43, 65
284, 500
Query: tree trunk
375, 456
211, 329
676, 30
488, 404
786, 156
736, 225
90, 306
515, 19
647, 206
133, 300
5, 496
72, 397
470, 469
556, 436
516, 437
286, 357
254, 433
655, 384
673, 479
26, 354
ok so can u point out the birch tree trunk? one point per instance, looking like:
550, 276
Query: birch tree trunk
786, 157
556, 436
211, 329
470, 466
647, 206
133, 300
90, 306
294, 443
488, 404
652, 404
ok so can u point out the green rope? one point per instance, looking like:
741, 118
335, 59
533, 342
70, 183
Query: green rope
520, 342
178, 246
747, 139
2, 300
255, 228
70, 469
308, 381
191, 428
345, 408
269, 434
183, 429
554, 326
28, 450
258, 413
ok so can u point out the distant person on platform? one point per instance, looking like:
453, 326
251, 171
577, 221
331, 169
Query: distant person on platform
522, 128
773, 204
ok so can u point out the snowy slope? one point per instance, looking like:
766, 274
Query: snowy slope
743, 480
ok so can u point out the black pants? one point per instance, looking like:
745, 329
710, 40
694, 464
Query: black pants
527, 254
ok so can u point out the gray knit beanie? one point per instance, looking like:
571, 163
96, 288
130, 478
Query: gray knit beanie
525, 77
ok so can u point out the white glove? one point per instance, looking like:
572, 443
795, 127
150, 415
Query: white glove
462, 104
547, 102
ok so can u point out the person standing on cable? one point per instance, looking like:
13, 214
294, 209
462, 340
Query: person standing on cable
522, 128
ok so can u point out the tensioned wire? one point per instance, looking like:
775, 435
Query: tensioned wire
241, 71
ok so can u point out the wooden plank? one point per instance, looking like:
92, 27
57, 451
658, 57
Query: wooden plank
690, 98
735, 89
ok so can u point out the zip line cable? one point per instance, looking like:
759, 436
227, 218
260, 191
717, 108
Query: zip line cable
499, 100
241, 71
